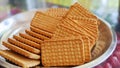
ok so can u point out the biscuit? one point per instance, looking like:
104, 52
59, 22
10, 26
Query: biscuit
19, 59
76, 10
88, 24
26, 41
81, 11
57, 12
44, 22
64, 31
36, 35
34, 29
89, 31
24, 46
75, 29
63, 52
71, 24
29, 37
87, 49
21, 51
82, 26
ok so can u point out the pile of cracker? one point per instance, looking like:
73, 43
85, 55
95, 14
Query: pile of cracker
56, 37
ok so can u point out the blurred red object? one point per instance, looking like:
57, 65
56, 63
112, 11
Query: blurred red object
114, 60
118, 38
15, 11
107, 65
99, 66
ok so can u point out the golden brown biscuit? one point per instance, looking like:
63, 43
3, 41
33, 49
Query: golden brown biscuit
87, 23
87, 49
24, 46
64, 31
76, 10
29, 37
34, 29
58, 13
36, 35
21, 51
44, 22
26, 41
63, 52
82, 26
91, 30
19, 59
68, 27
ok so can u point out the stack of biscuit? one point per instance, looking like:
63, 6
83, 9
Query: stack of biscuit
57, 37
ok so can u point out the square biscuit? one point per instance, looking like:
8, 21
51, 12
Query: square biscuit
76, 10
63, 52
44, 22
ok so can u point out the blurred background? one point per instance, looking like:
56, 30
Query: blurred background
107, 9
